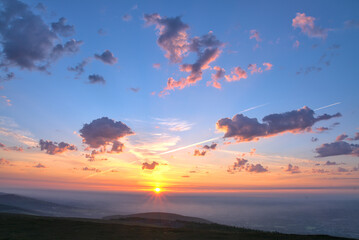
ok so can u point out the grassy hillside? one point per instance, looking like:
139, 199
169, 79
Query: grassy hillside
13, 226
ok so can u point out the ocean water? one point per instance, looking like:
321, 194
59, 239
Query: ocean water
335, 214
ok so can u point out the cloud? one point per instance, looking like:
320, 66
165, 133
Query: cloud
92, 157
314, 139
2, 145
292, 169
79, 68
15, 148
258, 168
53, 148
220, 73
243, 128
62, 29
91, 169
156, 65
340, 169
242, 164
17, 135
149, 166
341, 137
321, 129
172, 35
296, 44
175, 125
27, 41
314, 170
356, 137
117, 147
237, 74
7, 77
106, 57
329, 163
135, 89
210, 147
95, 78
254, 34
207, 52
254, 69
199, 153
337, 148
127, 17
39, 166
306, 24
268, 66
351, 24
104, 131
7, 100
101, 32
4, 162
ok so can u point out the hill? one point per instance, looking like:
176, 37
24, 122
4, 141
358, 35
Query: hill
16, 227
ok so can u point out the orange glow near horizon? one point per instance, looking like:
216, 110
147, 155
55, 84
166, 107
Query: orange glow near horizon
157, 190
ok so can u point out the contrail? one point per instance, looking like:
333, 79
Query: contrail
248, 109
194, 144
327, 106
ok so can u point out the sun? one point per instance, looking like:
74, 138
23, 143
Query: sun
157, 190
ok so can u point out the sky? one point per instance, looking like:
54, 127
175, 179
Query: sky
189, 96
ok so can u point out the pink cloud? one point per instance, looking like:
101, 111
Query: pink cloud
156, 65
254, 69
255, 34
268, 66
306, 24
237, 74
296, 44
220, 72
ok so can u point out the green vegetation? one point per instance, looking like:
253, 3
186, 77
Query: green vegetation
15, 226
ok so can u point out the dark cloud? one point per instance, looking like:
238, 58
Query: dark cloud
101, 31
149, 166
79, 68
337, 148
95, 78
27, 41
340, 169
106, 57
210, 147
314, 139
127, 17
62, 29
172, 37
71, 46
104, 131
315, 170
92, 157
292, 169
91, 169
7, 77
258, 168
117, 147
39, 166
41, 7
329, 163
341, 137
199, 153
242, 164
243, 128
135, 89
309, 69
53, 148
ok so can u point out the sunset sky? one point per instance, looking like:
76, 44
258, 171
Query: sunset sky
186, 96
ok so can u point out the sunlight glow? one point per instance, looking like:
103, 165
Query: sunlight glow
157, 190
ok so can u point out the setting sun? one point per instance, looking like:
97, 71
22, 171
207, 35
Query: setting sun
157, 190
